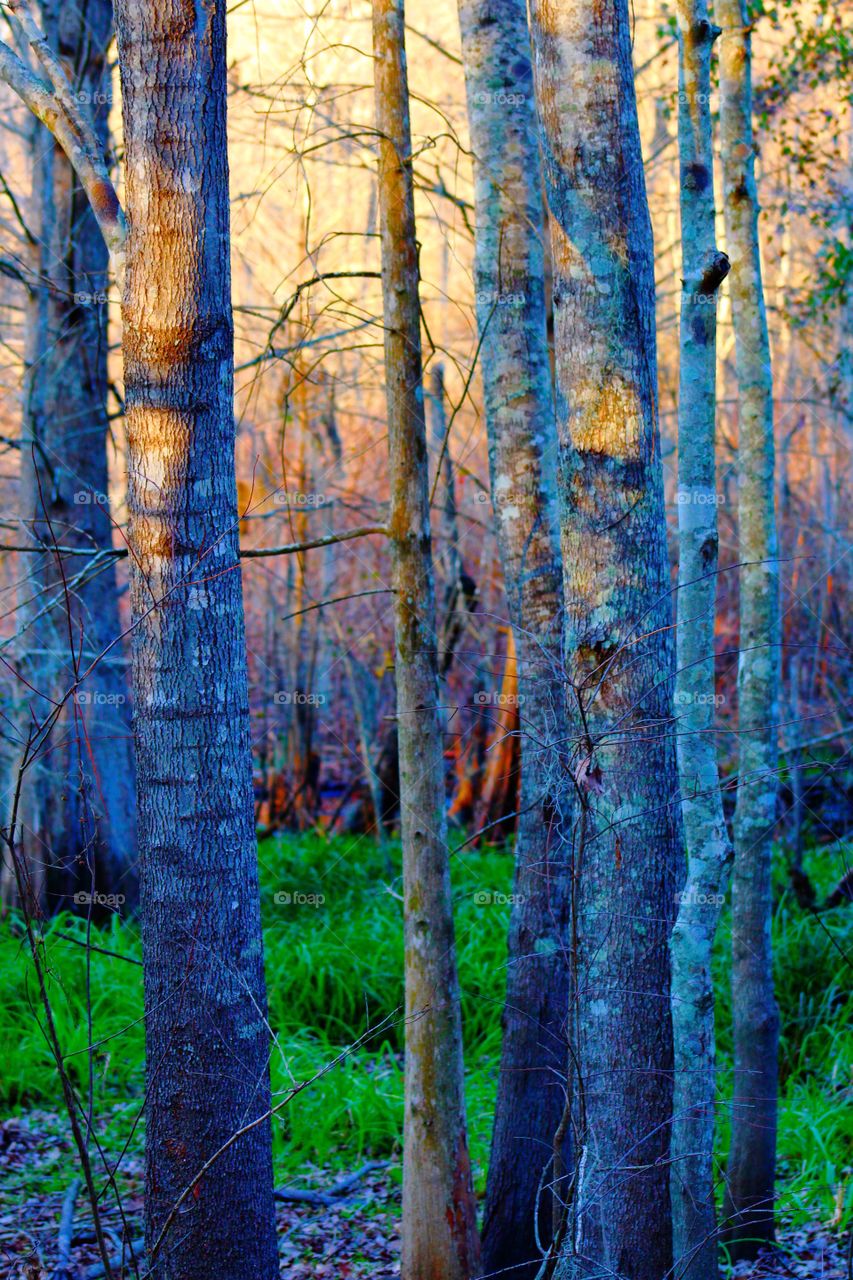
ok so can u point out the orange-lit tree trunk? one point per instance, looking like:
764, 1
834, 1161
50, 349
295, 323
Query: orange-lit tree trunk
619, 650
204, 982
209, 1189
497, 786
439, 1224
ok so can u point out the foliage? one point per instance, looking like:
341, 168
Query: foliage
335, 979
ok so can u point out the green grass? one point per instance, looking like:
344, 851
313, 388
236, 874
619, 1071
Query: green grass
812, 967
335, 980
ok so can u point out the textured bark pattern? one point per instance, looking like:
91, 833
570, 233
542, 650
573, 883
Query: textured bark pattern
439, 1217
206, 1033
752, 1157
618, 642
79, 808
695, 1244
519, 409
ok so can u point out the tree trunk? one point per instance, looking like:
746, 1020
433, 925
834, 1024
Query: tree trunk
497, 790
439, 1222
79, 809
619, 652
519, 410
695, 1244
752, 1158
207, 1042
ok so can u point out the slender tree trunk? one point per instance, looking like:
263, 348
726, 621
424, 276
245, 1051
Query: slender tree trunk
439, 1223
845, 321
519, 409
752, 1158
619, 651
445, 491
695, 1244
79, 811
497, 784
207, 1042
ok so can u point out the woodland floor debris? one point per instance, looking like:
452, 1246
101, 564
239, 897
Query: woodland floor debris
354, 1239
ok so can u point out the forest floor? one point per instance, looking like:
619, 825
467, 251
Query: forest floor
333, 969
354, 1239
351, 1240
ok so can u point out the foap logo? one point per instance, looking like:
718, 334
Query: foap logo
90, 498
489, 898
297, 898
496, 698
298, 698
698, 498
503, 98
694, 897
84, 299
110, 900
305, 500
690, 99
97, 698
96, 98
491, 298
683, 698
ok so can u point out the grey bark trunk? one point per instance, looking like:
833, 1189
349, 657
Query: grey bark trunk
695, 1242
79, 820
519, 411
439, 1216
207, 1040
752, 1156
619, 652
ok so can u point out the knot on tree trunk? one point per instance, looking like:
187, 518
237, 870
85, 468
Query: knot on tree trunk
713, 274
705, 32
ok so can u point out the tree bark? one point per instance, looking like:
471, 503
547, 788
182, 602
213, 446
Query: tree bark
206, 1031
79, 819
439, 1222
519, 411
695, 1243
497, 783
752, 1157
619, 652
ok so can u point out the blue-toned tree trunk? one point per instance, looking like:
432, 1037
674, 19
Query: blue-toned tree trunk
748, 1207
79, 810
695, 1241
519, 410
619, 643
207, 1041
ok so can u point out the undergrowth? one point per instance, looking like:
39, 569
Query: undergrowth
333, 937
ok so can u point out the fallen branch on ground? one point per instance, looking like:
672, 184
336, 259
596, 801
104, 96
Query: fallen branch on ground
335, 1194
62, 1271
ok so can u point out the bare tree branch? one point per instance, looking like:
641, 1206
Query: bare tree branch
54, 105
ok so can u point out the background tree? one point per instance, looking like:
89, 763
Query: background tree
439, 1212
519, 410
695, 1243
78, 814
752, 1156
618, 645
